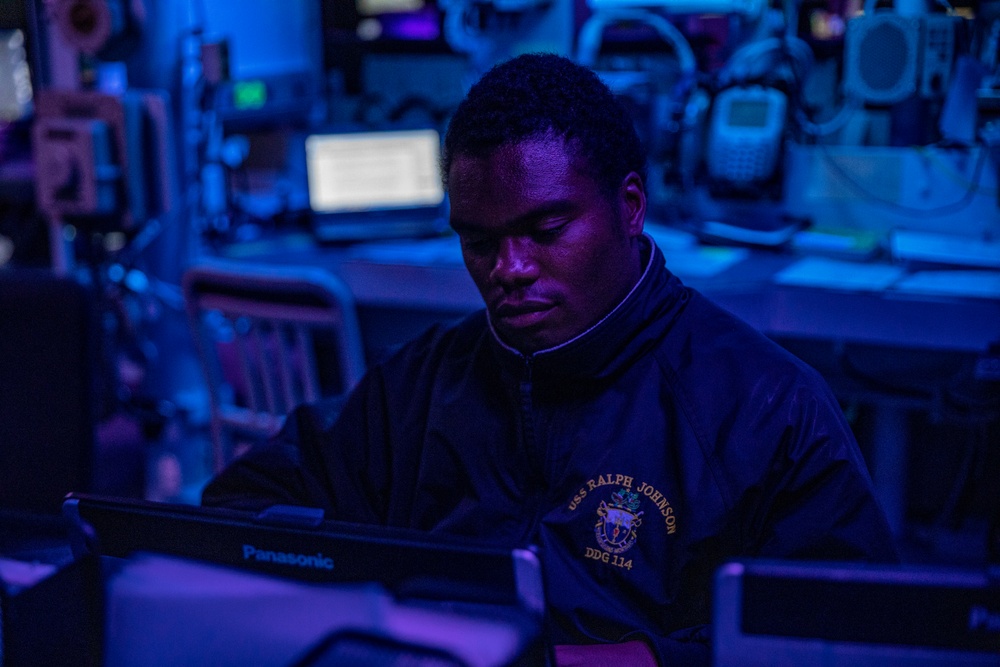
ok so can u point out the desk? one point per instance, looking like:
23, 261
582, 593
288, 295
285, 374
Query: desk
401, 287
428, 276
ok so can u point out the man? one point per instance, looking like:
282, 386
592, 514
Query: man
636, 433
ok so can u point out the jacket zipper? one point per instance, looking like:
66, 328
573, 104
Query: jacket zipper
527, 419
536, 472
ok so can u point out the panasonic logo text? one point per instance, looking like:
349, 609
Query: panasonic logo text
319, 561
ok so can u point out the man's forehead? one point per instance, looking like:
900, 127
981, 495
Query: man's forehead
533, 155
515, 189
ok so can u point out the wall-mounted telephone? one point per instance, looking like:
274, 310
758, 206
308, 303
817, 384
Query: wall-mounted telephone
745, 134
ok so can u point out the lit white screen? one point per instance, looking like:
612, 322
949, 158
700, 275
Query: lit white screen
15, 77
374, 7
373, 170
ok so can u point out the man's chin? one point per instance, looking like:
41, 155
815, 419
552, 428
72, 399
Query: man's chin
526, 341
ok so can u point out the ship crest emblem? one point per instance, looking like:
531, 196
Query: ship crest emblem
617, 522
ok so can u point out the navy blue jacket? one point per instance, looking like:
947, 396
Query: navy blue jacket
638, 457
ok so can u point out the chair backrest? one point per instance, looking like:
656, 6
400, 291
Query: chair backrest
269, 338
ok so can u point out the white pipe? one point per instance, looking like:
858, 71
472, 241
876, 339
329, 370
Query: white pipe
750, 8
592, 35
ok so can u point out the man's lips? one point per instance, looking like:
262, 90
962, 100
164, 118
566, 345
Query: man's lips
522, 313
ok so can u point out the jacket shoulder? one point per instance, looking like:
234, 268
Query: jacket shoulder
710, 341
733, 382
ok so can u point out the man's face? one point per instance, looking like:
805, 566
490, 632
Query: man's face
550, 253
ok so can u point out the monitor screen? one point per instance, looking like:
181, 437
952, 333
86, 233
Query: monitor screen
748, 113
15, 76
376, 7
360, 171
853, 615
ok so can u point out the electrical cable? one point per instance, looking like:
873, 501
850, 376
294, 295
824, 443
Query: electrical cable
456, 27
748, 54
954, 176
800, 53
848, 108
948, 7
945, 209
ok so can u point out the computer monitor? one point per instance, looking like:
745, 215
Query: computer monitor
16, 94
777, 613
374, 184
22, 60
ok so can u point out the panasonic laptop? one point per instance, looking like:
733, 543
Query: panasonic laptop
298, 543
335, 593
365, 185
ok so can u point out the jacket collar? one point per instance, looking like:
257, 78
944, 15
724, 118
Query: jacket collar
641, 319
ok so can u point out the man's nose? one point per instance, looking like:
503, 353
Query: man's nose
515, 264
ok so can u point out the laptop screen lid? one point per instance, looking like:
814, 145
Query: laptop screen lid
300, 543
375, 184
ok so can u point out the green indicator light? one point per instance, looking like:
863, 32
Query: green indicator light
249, 94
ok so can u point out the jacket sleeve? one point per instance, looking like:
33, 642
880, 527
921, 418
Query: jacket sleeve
801, 491
351, 456
817, 500
286, 470
813, 501
334, 454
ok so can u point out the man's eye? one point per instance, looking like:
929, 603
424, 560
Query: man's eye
550, 233
478, 244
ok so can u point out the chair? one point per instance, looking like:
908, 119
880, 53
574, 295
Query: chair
269, 337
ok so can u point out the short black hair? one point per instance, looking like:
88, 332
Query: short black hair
545, 95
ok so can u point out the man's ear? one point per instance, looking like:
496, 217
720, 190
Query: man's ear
632, 203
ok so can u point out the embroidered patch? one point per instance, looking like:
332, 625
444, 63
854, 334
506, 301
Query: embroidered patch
617, 523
